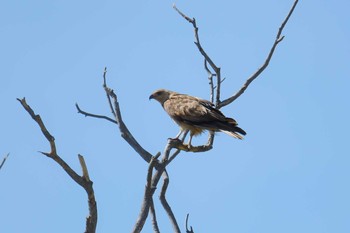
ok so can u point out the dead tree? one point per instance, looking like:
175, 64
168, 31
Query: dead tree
156, 163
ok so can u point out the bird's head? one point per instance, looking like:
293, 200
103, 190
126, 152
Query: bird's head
161, 95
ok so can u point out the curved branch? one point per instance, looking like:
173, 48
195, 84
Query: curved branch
278, 39
188, 230
84, 181
166, 205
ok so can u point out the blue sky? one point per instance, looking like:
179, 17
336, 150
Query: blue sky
291, 172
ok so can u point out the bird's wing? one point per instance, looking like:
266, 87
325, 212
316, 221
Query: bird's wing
192, 110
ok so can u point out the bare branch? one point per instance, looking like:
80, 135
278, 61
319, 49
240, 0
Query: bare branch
188, 230
213, 97
38, 120
4, 160
166, 205
210, 78
91, 220
108, 96
94, 115
278, 39
202, 148
173, 156
154, 217
84, 168
152, 182
83, 181
204, 54
123, 129
150, 188
125, 133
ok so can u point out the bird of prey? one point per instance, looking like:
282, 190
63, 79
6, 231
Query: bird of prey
195, 115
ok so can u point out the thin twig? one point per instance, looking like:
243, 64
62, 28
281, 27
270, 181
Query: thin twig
105, 87
210, 78
188, 230
4, 160
278, 39
38, 120
94, 115
173, 156
83, 181
204, 54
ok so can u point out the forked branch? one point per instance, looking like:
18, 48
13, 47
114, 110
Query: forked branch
278, 39
207, 59
191, 229
123, 129
218, 103
84, 180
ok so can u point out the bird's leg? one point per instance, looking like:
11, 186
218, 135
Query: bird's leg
189, 141
184, 136
178, 135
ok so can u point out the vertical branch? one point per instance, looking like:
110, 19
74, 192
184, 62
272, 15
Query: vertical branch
154, 217
166, 205
210, 78
218, 86
150, 188
107, 94
91, 220
216, 69
84, 168
152, 182
191, 229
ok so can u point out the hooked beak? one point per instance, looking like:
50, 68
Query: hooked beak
151, 97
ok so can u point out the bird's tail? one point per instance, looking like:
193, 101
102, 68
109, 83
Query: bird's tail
230, 127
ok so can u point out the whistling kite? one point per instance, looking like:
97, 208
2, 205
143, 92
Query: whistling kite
195, 114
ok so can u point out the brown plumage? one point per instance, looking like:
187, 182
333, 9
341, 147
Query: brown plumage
195, 114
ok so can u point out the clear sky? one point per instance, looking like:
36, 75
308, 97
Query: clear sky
290, 174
